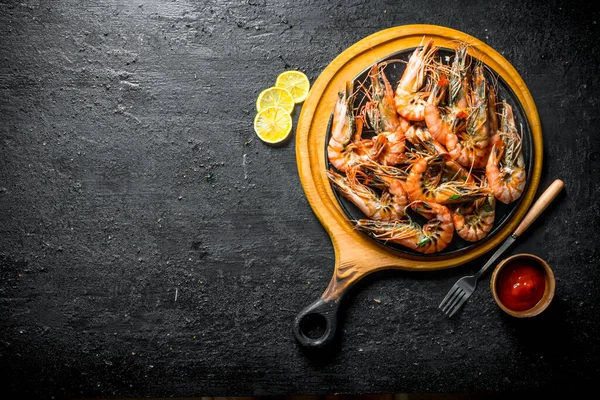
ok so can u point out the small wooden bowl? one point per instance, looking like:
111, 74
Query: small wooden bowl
508, 266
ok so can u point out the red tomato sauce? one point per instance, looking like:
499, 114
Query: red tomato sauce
521, 286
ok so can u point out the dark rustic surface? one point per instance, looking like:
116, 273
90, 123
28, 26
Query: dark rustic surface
152, 246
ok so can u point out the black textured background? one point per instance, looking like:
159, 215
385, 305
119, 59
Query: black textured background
152, 246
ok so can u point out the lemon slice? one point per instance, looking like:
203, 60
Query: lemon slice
296, 83
275, 97
273, 125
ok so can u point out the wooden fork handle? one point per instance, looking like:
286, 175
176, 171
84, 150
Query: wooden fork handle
540, 205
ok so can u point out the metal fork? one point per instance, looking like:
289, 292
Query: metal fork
465, 286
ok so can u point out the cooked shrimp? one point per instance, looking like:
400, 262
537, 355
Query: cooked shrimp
393, 148
386, 207
423, 141
429, 180
389, 144
432, 237
468, 154
453, 171
474, 220
345, 149
469, 147
477, 122
409, 100
380, 109
387, 178
459, 85
492, 111
458, 95
505, 169
438, 123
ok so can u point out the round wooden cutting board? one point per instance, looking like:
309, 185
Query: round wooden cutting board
357, 254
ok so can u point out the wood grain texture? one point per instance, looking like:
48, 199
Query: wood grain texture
151, 246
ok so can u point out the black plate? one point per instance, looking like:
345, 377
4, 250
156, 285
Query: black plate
394, 71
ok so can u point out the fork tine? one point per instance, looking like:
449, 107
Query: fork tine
457, 304
451, 292
450, 306
460, 303
452, 300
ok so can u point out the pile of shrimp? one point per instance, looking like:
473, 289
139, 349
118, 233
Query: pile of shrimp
439, 145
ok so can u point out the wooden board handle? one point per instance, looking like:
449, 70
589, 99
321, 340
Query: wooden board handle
540, 205
321, 314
